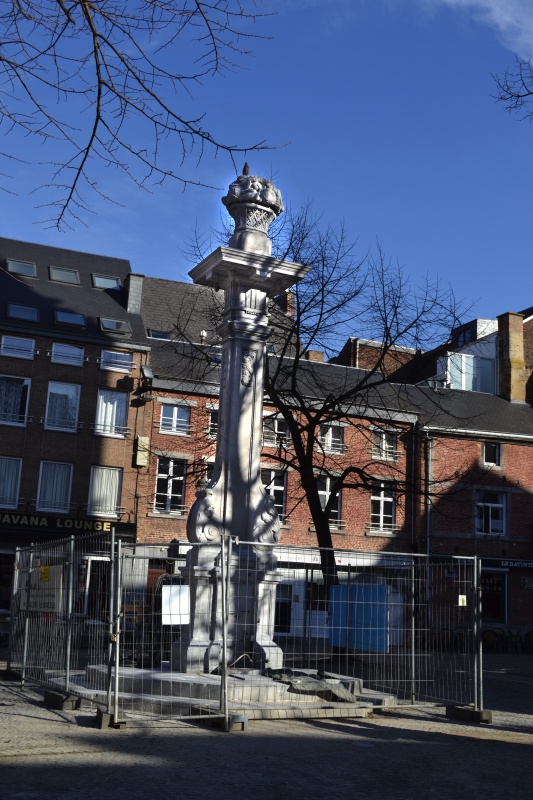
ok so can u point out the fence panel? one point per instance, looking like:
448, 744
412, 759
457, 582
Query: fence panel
196, 631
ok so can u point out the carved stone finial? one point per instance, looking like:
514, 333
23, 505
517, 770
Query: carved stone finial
254, 203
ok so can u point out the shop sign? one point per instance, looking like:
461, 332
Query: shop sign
54, 523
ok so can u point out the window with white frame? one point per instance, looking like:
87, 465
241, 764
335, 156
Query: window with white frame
324, 486
492, 454
17, 347
67, 354
115, 361
212, 430
9, 482
471, 373
104, 492
382, 507
331, 437
14, 394
62, 406
490, 512
55, 480
274, 481
384, 445
170, 486
111, 413
175, 419
275, 431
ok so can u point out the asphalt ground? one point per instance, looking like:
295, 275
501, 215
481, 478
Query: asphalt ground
396, 755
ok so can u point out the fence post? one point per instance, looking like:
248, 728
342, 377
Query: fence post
116, 643
223, 609
27, 619
70, 596
413, 632
15, 589
476, 630
110, 620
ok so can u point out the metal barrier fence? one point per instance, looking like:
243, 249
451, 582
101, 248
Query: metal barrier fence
205, 630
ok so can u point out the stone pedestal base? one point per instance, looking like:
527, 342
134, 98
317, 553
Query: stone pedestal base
251, 604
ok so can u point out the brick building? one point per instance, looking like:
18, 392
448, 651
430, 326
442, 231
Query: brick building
72, 351
109, 393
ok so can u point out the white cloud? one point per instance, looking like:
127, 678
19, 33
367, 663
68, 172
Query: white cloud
512, 19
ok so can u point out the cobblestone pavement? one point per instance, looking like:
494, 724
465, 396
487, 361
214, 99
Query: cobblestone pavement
400, 755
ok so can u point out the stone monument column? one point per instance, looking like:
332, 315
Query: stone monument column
233, 502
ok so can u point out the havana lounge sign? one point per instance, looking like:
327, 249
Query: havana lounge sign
37, 521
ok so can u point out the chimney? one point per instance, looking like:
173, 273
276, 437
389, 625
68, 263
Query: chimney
135, 293
314, 355
511, 364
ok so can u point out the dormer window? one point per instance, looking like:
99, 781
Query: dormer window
63, 275
27, 313
26, 268
106, 282
70, 318
115, 326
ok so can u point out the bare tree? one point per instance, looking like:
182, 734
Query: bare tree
108, 81
341, 293
515, 89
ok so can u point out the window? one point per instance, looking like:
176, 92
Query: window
331, 438
67, 354
26, 268
153, 334
492, 454
70, 318
27, 313
104, 492
175, 419
111, 413
490, 512
9, 482
117, 362
106, 282
384, 445
115, 325
324, 484
170, 486
471, 373
275, 432
62, 406
54, 487
382, 507
64, 275
273, 481
17, 347
14, 393
213, 424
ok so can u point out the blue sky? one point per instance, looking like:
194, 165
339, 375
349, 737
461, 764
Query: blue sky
387, 108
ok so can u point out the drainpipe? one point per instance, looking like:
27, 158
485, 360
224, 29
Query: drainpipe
414, 463
427, 489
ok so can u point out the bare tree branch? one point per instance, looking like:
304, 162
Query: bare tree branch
101, 77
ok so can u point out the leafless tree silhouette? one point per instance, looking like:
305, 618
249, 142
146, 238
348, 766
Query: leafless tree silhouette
108, 81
